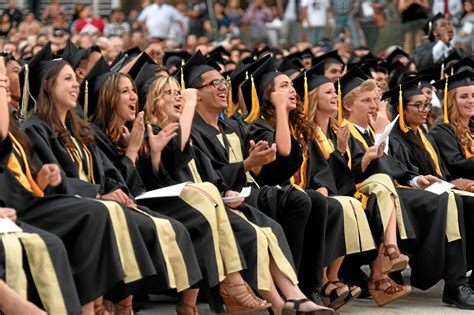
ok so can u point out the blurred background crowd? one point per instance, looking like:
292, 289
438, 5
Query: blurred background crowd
116, 25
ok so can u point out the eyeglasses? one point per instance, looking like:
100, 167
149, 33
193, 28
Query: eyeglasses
422, 107
217, 84
173, 92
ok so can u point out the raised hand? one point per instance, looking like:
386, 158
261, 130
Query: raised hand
135, 137
260, 155
190, 97
159, 141
342, 135
280, 100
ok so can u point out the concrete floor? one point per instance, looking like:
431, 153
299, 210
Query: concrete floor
418, 302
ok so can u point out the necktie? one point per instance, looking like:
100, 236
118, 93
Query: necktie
368, 138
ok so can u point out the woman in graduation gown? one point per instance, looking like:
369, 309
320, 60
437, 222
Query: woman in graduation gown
167, 260
188, 163
431, 230
282, 118
329, 169
117, 108
71, 219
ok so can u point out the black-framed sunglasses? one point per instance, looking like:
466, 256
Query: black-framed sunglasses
216, 83
422, 107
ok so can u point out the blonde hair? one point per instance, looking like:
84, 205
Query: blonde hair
366, 86
313, 108
155, 100
462, 131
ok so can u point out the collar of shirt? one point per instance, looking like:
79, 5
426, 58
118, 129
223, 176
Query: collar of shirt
361, 129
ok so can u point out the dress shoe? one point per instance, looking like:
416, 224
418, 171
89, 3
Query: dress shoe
462, 297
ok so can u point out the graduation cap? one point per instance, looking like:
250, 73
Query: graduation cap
262, 52
69, 51
196, 66
458, 66
307, 53
396, 70
395, 55
7, 56
366, 66
306, 82
403, 92
254, 87
249, 59
175, 58
135, 69
331, 57
460, 79
429, 25
143, 81
33, 73
286, 66
132, 52
88, 95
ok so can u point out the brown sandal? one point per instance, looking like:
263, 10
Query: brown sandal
354, 291
186, 309
386, 290
241, 298
124, 307
395, 261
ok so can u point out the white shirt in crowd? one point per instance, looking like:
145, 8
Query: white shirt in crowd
290, 12
455, 7
316, 12
159, 19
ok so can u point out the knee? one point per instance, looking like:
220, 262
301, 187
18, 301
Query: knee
300, 202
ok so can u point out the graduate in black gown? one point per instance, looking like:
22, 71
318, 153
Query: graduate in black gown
168, 257
283, 123
429, 219
117, 108
329, 171
188, 163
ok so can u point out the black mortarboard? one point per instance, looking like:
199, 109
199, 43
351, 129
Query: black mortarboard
396, 70
142, 59
87, 96
352, 79
132, 52
248, 60
69, 51
288, 67
254, 87
7, 56
326, 59
37, 68
193, 69
314, 80
143, 81
430, 24
460, 65
120, 61
395, 55
367, 66
175, 58
262, 52
460, 79
219, 50
307, 53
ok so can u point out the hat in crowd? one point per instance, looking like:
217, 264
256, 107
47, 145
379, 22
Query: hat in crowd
429, 25
175, 58
351, 80
465, 63
289, 67
395, 56
89, 89
193, 69
143, 81
139, 62
307, 81
328, 58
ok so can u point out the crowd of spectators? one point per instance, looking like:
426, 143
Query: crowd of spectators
277, 23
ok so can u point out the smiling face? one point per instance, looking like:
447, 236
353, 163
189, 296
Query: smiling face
413, 116
327, 98
173, 105
213, 98
127, 105
465, 102
283, 83
364, 104
65, 89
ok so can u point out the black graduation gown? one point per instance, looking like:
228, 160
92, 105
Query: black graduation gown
423, 56
148, 250
73, 220
175, 168
452, 152
324, 231
196, 224
289, 206
43, 260
411, 152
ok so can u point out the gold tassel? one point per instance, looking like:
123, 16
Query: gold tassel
339, 103
230, 103
442, 72
306, 97
401, 118
183, 86
255, 111
445, 103
25, 94
86, 101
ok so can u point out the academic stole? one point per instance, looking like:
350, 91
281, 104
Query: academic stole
431, 151
299, 179
327, 147
25, 177
78, 154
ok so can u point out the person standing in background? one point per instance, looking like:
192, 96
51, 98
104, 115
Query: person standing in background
289, 10
345, 11
314, 16
413, 15
367, 15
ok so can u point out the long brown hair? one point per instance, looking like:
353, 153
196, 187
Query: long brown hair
106, 113
47, 111
297, 118
462, 131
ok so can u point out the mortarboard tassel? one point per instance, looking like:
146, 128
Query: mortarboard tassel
401, 119
183, 86
339, 103
230, 103
441, 77
86, 100
255, 111
306, 96
445, 103
25, 94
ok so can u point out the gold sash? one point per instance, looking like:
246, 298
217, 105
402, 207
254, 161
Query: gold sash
431, 152
327, 147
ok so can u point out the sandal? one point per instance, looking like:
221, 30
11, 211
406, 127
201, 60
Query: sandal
124, 307
354, 291
395, 261
295, 310
183, 308
241, 298
386, 290
336, 298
